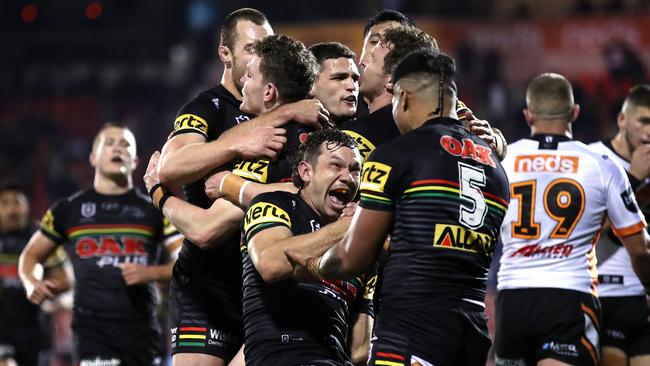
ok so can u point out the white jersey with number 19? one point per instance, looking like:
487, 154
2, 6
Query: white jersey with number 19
560, 192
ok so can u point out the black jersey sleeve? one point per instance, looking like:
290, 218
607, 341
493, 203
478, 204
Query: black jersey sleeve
52, 222
265, 211
380, 180
196, 116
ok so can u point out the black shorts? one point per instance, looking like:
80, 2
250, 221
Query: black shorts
625, 324
538, 323
106, 341
441, 338
22, 345
204, 317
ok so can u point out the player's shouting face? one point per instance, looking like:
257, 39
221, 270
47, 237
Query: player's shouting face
337, 86
331, 179
114, 152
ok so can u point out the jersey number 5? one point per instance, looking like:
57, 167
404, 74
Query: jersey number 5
472, 179
564, 203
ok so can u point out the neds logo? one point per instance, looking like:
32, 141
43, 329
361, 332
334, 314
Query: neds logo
550, 163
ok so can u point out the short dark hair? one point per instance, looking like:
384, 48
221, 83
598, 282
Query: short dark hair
12, 185
387, 15
288, 64
425, 62
639, 96
310, 149
404, 40
550, 96
330, 50
105, 126
228, 32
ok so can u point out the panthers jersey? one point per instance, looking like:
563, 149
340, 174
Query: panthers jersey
560, 192
267, 171
290, 322
615, 274
448, 194
99, 233
379, 127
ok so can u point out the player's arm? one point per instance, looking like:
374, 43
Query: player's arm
360, 245
258, 137
267, 247
203, 227
360, 334
638, 247
239, 191
38, 249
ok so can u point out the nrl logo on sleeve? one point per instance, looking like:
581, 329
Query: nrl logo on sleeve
628, 200
374, 176
264, 212
191, 121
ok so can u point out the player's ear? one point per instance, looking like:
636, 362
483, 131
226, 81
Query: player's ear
225, 55
575, 112
270, 94
620, 120
136, 161
528, 115
92, 159
404, 98
305, 171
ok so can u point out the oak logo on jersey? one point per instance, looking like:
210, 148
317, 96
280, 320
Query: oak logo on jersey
257, 170
374, 176
363, 144
111, 250
264, 212
191, 121
550, 163
467, 149
460, 238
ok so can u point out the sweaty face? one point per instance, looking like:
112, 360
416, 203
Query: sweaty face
636, 125
253, 88
337, 87
14, 211
333, 180
247, 33
374, 78
115, 154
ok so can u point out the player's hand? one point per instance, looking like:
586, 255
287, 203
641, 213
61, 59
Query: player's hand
348, 210
213, 184
305, 267
309, 112
485, 132
135, 274
41, 291
640, 162
249, 141
151, 174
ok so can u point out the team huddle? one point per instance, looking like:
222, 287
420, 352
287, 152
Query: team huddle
315, 233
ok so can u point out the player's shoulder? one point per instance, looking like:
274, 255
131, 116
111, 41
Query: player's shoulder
281, 198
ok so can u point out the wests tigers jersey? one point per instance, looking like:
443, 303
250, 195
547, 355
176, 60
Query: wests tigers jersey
560, 192
615, 274
99, 233
448, 194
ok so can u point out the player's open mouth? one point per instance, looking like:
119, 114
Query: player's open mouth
117, 159
339, 197
350, 100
